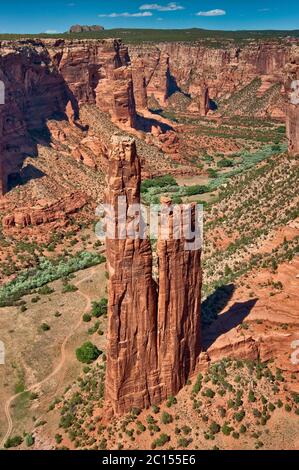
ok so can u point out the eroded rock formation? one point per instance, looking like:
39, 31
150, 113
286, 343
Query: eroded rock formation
32, 216
292, 111
132, 357
78, 28
179, 341
153, 334
54, 78
183, 67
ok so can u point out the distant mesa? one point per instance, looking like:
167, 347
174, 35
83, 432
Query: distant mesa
77, 28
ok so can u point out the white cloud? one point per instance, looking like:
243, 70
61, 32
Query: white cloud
172, 6
264, 9
126, 15
51, 31
216, 12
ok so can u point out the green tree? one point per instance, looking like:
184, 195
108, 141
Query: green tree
87, 353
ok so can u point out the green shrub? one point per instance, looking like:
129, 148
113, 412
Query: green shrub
29, 440
87, 353
45, 290
226, 429
159, 182
14, 441
171, 401
47, 271
214, 428
86, 317
166, 418
161, 441
45, 327
58, 438
183, 442
99, 308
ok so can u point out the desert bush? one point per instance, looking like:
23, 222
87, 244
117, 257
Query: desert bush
87, 353
47, 271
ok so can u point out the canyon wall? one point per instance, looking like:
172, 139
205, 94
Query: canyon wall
184, 67
53, 78
154, 331
292, 89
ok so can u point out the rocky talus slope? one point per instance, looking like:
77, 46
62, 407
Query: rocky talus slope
192, 69
54, 78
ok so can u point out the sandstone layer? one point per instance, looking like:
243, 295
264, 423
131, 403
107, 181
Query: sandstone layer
153, 337
179, 341
132, 363
54, 78
32, 216
182, 67
292, 89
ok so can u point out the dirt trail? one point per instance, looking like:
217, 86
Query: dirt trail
56, 370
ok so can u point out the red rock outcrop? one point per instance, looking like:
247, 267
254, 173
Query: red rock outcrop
139, 80
2, 167
132, 378
180, 280
25, 216
224, 70
292, 114
153, 344
150, 71
45, 78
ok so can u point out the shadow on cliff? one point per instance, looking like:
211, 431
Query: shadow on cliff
34, 130
27, 173
146, 124
230, 319
173, 87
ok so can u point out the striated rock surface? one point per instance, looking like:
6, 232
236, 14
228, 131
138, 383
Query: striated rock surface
26, 216
46, 78
184, 67
292, 113
180, 280
132, 378
153, 342
2, 165
151, 74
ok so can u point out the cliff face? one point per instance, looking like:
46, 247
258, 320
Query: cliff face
132, 368
54, 78
153, 338
292, 89
223, 70
179, 340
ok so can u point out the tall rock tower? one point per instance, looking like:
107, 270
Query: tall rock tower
132, 361
3, 176
154, 331
179, 327
292, 108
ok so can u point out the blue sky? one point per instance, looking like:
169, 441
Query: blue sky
33, 16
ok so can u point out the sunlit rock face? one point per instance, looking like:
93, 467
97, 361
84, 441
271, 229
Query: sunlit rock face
54, 78
154, 333
292, 107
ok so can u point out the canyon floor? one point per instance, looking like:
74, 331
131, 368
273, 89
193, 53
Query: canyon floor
54, 280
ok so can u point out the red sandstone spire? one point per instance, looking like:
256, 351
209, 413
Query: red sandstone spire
148, 358
292, 111
132, 375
